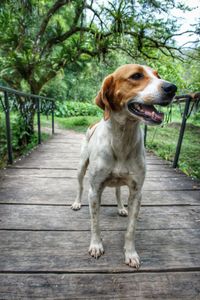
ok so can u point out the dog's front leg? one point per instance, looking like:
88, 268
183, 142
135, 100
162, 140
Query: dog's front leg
96, 247
131, 257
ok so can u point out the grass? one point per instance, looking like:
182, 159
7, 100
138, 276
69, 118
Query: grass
161, 140
77, 123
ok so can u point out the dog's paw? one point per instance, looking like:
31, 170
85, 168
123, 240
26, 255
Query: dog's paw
132, 259
96, 249
76, 205
123, 212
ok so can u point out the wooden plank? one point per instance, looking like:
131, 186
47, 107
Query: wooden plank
36, 217
65, 184
65, 140
61, 195
59, 147
75, 156
44, 251
168, 286
12, 172
73, 165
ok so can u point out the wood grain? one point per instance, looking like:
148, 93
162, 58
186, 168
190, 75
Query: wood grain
43, 243
165, 286
63, 218
50, 251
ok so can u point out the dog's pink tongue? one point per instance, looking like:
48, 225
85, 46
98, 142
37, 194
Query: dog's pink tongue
151, 112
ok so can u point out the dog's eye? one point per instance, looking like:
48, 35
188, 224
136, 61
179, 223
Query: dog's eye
137, 76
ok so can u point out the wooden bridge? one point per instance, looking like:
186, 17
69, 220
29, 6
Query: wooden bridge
43, 243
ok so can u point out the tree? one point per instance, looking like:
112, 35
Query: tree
39, 39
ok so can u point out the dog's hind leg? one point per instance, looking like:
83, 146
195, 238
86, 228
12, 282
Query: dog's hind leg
84, 161
122, 211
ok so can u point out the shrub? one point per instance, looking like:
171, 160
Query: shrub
76, 109
22, 142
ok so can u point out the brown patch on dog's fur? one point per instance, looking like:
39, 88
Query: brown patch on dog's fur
105, 96
93, 125
119, 87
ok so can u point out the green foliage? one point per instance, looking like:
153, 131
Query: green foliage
82, 84
19, 133
196, 118
77, 123
185, 75
40, 39
19, 138
164, 142
161, 140
66, 52
72, 108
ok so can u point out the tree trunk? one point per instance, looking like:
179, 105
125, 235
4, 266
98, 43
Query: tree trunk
27, 108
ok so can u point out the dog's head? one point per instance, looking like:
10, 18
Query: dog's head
135, 89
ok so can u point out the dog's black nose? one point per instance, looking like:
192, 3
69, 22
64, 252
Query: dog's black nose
169, 88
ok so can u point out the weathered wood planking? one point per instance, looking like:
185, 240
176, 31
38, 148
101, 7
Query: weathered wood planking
73, 163
75, 156
160, 184
38, 217
56, 164
70, 155
62, 196
13, 172
49, 237
165, 286
51, 251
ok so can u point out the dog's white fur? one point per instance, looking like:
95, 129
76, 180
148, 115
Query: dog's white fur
114, 153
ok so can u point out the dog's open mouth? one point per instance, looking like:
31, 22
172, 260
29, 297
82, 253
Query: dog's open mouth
147, 112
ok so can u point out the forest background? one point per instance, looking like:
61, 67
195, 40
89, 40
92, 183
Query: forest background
63, 49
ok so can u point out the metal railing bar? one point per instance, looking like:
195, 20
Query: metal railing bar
187, 98
145, 135
52, 117
182, 131
38, 121
8, 129
4, 94
181, 98
16, 92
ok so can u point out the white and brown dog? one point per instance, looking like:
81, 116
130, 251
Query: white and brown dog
114, 148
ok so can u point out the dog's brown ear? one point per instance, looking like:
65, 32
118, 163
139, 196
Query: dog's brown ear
105, 95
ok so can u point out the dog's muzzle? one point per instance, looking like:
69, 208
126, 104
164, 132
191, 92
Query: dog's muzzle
149, 113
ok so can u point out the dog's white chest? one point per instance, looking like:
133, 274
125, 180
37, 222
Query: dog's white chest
122, 174
114, 181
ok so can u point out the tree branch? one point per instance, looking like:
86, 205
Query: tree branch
178, 34
58, 4
59, 39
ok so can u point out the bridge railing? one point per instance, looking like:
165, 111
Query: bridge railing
190, 100
6, 98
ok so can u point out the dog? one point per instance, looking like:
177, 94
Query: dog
113, 149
